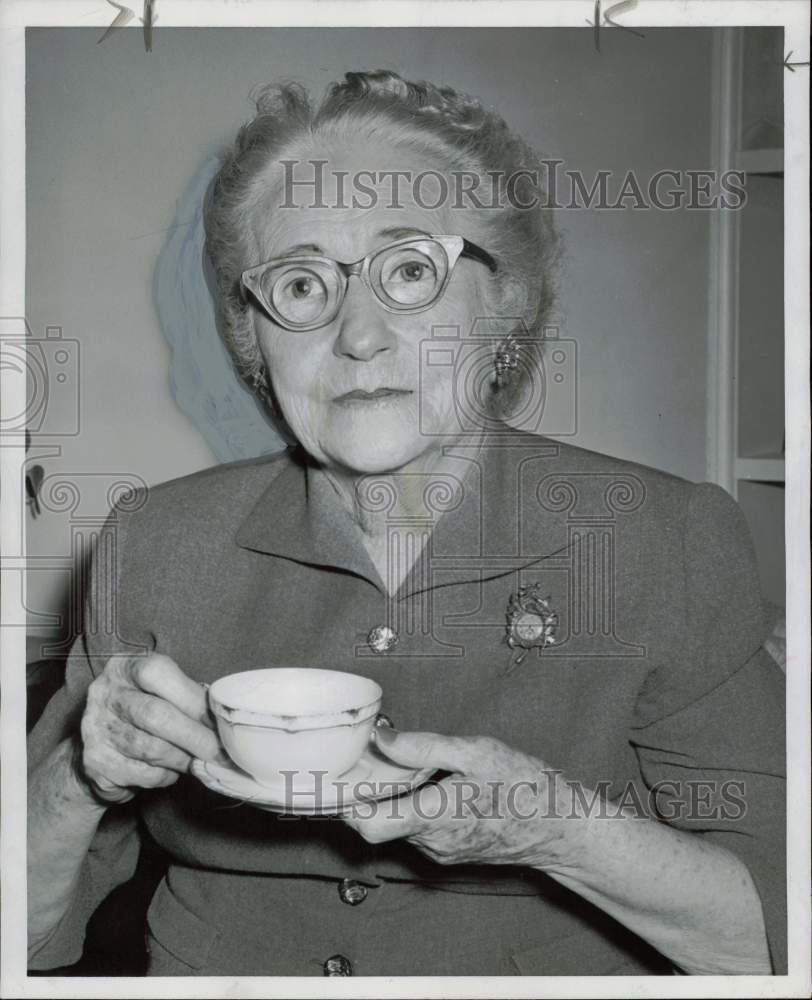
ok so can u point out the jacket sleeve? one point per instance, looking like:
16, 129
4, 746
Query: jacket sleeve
113, 854
709, 726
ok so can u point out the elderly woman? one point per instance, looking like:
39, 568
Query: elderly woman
571, 641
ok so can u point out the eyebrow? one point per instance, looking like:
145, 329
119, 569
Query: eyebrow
298, 248
398, 232
393, 232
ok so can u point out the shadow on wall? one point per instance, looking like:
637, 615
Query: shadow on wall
203, 381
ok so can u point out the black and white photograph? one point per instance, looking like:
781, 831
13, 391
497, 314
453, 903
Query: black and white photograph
405, 478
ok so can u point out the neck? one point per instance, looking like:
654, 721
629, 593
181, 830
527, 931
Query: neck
411, 491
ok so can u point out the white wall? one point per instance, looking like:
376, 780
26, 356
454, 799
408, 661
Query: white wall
114, 134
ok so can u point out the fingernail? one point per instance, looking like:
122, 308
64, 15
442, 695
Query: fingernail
385, 735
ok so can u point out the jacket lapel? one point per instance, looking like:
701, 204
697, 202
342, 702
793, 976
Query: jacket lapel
485, 536
297, 518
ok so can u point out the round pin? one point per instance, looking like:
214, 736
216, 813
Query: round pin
382, 638
351, 892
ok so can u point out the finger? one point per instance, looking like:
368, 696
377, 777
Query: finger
108, 769
159, 675
448, 753
139, 745
394, 819
160, 718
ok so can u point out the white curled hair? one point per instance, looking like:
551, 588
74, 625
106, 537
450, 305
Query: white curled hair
451, 127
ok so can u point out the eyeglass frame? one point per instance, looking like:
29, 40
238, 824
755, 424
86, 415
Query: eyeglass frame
454, 248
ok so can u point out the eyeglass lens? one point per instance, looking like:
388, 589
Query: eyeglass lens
405, 277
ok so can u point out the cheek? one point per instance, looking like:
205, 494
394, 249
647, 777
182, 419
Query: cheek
453, 383
466, 303
438, 392
296, 375
294, 364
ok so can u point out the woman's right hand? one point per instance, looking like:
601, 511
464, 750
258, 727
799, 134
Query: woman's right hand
143, 723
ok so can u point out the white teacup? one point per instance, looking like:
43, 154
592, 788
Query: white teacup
294, 719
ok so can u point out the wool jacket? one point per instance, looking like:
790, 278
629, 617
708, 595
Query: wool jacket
656, 690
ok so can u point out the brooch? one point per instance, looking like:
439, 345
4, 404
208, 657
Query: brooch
531, 622
382, 638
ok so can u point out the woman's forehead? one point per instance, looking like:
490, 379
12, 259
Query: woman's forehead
346, 201
346, 235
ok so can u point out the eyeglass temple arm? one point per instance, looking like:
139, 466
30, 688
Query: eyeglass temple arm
477, 253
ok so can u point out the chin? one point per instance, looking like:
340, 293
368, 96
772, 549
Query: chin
381, 440
377, 454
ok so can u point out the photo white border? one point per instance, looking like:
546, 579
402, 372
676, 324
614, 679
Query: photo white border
794, 16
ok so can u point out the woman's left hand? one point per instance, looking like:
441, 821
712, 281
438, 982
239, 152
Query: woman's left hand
496, 808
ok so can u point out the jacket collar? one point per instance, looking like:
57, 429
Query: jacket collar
299, 516
296, 519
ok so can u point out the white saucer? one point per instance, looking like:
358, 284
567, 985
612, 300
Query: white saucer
372, 778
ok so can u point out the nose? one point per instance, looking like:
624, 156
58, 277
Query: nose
364, 330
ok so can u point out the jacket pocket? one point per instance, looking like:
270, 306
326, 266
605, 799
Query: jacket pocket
179, 933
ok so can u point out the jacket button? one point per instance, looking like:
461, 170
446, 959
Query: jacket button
351, 892
382, 638
337, 965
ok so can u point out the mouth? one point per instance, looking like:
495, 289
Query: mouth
361, 396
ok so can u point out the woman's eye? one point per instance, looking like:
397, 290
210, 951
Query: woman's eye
413, 271
299, 296
409, 278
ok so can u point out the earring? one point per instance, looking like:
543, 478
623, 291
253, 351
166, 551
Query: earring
506, 361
